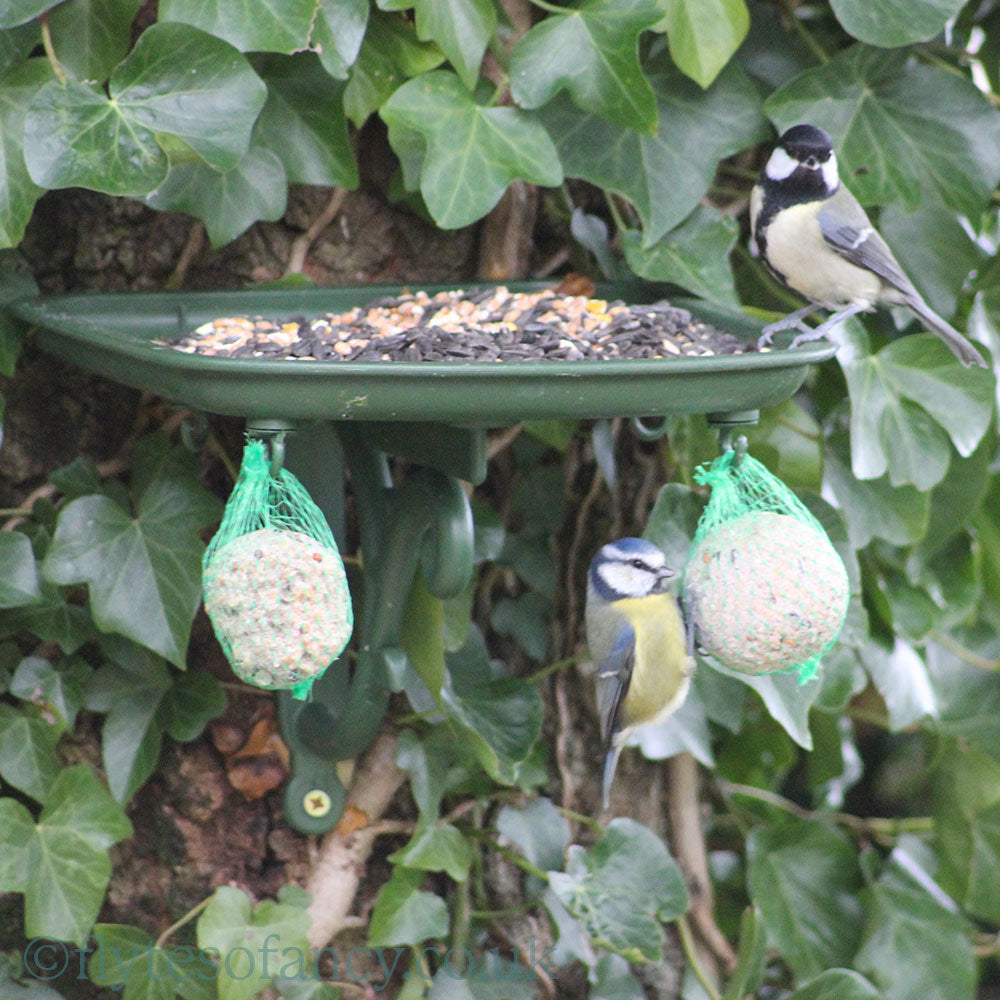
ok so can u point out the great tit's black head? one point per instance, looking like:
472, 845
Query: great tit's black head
803, 164
629, 567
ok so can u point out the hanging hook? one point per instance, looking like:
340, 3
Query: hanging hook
739, 449
277, 447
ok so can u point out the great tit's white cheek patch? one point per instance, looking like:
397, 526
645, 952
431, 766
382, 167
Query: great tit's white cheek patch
830, 176
781, 165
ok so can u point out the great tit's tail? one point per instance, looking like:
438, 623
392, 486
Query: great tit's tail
610, 766
958, 345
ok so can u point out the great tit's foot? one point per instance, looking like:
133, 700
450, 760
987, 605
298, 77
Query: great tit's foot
825, 328
811, 334
789, 322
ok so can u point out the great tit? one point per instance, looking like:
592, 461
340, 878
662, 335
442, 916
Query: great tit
638, 641
816, 239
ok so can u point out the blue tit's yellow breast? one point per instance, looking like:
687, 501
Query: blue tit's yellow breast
662, 666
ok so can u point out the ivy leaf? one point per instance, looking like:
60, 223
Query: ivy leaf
53, 620
423, 635
664, 175
460, 28
694, 256
28, 758
144, 573
933, 246
91, 37
338, 32
592, 52
788, 440
502, 720
900, 400
303, 121
967, 830
901, 678
436, 847
704, 34
895, 22
126, 957
914, 943
15, 12
260, 27
241, 933
873, 508
16, 830
228, 203
66, 867
18, 192
57, 692
900, 127
622, 889
803, 876
177, 82
194, 699
837, 984
471, 152
922, 369
390, 54
19, 580
538, 829
405, 915
785, 698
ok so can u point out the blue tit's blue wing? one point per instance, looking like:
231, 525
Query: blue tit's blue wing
613, 676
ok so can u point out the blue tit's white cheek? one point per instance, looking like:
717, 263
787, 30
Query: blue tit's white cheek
781, 165
830, 176
625, 580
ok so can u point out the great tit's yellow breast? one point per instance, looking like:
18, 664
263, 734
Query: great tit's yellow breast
662, 666
797, 251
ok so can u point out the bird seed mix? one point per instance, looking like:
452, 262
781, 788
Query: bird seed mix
486, 324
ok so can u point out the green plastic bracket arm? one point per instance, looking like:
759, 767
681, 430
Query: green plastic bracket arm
427, 523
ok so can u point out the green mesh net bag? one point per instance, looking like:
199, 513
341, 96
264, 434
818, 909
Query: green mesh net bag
275, 587
766, 590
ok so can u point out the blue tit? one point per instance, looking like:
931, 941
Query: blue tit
816, 239
638, 641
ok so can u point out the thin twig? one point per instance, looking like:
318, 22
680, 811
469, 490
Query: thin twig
302, 244
191, 249
688, 842
691, 953
50, 52
805, 34
883, 829
965, 654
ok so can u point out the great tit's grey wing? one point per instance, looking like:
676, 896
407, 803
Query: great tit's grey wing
848, 230
614, 674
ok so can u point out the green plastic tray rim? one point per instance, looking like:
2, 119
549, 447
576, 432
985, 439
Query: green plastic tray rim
113, 334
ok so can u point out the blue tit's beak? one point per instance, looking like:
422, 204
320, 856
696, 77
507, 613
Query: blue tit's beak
663, 578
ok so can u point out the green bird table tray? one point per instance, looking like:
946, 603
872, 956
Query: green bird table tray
350, 414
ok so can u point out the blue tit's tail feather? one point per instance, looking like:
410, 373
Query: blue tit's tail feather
610, 766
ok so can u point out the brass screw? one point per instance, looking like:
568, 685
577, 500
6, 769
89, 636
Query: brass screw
316, 803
